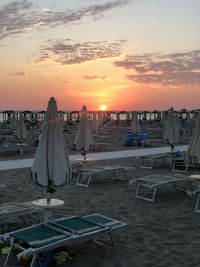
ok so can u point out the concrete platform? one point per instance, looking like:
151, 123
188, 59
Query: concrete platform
27, 163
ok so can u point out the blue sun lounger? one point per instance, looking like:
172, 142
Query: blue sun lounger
66, 231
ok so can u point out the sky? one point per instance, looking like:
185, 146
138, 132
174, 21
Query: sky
125, 54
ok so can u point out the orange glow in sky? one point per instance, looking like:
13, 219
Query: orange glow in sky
76, 59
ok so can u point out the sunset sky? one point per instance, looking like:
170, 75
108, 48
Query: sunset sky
125, 54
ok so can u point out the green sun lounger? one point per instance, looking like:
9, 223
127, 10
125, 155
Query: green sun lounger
66, 231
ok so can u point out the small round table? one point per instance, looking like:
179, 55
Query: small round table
48, 206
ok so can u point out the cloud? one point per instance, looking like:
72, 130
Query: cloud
68, 52
18, 74
173, 69
43, 59
18, 16
94, 77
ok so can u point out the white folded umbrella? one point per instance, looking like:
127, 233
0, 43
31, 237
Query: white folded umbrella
51, 166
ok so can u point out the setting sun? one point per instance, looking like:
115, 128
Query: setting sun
102, 107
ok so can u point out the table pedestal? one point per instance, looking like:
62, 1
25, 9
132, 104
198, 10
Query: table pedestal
48, 206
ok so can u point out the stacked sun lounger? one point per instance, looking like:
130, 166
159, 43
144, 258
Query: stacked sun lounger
67, 231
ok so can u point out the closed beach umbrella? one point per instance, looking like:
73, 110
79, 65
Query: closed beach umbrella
188, 118
171, 130
164, 118
61, 118
194, 117
95, 124
13, 122
135, 124
84, 140
21, 132
51, 167
100, 120
193, 151
32, 121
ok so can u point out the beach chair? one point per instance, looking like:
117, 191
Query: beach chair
179, 164
39, 238
153, 182
86, 174
3, 141
148, 161
21, 210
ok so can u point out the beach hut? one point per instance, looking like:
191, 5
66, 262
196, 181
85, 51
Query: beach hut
51, 167
84, 140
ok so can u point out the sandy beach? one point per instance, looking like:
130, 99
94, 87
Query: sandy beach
110, 88
159, 234
163, 233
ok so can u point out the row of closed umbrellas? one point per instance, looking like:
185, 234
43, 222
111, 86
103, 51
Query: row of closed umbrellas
52, 168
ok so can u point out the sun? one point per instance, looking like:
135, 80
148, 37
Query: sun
102, 107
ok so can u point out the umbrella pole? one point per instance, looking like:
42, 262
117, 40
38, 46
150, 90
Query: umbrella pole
48, 197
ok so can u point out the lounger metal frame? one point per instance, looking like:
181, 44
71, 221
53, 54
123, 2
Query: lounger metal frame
143, 183
85, 175
146, 162
21, 210
197, 208
71, 237
179, 165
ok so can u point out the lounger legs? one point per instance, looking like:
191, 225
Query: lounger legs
9, 255
197, 209
34, 259
146, 198
85, 177
104, 243
113, 241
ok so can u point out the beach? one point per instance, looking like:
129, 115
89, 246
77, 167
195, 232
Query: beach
162, 233
99, 103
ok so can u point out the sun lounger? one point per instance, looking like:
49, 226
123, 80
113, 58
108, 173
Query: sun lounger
20, 210
86, 174
179, 164
152, 182
58, 233
196, 190
3, 141
197, 207
148, 161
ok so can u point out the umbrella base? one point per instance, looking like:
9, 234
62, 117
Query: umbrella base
48, 206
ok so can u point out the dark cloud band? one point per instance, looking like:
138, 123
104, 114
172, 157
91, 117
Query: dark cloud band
67, 52
172, 69
17, 16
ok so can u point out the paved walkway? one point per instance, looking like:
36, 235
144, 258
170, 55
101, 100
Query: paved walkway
26, 163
